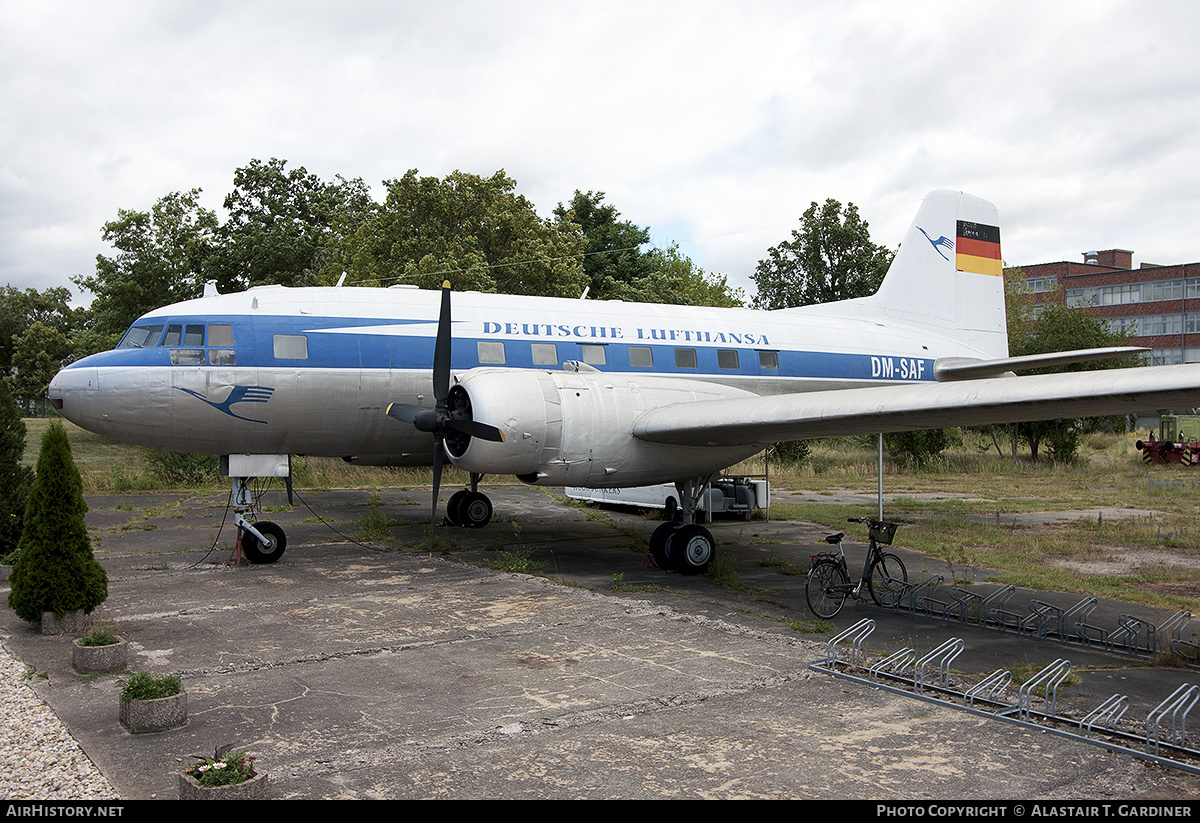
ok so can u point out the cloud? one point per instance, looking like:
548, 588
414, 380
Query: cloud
713, 123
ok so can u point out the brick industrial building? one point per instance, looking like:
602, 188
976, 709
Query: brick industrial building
1159, 305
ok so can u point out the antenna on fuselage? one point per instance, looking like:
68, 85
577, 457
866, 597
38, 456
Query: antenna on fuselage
340, 281
586, 289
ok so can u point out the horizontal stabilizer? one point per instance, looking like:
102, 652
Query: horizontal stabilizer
968, 368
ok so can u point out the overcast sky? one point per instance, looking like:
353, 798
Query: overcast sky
715, 124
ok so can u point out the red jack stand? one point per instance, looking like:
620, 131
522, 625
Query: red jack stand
238, 558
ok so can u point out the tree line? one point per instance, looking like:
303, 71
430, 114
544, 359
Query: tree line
286, 226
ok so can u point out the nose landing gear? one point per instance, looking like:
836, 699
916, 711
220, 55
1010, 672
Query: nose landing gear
257, 541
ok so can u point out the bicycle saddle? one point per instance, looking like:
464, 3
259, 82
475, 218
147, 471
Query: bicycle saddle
834, 539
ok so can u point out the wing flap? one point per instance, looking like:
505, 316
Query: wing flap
762, 420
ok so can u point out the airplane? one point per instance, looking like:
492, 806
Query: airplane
572, 392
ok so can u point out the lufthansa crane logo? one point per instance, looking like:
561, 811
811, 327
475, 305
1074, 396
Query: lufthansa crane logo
942, 242
239, 394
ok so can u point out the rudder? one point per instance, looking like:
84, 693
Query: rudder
948, 274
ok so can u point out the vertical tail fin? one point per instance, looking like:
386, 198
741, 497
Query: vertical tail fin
948, 274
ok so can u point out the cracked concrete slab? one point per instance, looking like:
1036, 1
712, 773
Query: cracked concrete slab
379, 671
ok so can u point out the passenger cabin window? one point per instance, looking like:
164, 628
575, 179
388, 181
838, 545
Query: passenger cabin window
291, 347
140, 336
768, 360
220, 334
592, 354
640, 357
727, 358
545, 354
491, 352
685, 358
187, 357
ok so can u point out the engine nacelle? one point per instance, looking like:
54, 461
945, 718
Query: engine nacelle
574, 428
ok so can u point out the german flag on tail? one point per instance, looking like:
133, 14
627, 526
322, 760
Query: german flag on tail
978, 248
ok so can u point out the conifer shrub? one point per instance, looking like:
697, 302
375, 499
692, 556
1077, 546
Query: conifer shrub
15, 478
55, 570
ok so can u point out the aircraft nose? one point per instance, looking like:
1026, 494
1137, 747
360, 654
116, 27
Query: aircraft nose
68, 389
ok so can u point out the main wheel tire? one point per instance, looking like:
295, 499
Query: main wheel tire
269, 552
475, 511
826, 589
691, 549
454, 507
888, 581
658, 545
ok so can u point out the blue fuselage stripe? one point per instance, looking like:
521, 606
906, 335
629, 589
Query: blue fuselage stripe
369, 348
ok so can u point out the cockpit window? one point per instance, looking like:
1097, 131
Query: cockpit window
140, 336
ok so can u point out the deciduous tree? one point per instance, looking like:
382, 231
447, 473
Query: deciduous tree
1061, 328
280, 222
161, 257
38, 354
21, 309
619, 269
474, 231
830, 257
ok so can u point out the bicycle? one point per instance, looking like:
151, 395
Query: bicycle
827, 584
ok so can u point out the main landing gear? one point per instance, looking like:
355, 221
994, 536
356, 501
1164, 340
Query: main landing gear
469, 508
685, 547
258, 542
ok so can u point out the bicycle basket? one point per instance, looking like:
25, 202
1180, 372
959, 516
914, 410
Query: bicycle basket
882, 533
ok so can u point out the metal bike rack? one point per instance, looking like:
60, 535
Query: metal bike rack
1045, 621
1164, 739
856, 635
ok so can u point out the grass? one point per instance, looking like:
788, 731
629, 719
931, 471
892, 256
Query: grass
959, 510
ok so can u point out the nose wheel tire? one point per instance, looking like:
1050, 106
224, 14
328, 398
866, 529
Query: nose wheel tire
268, 552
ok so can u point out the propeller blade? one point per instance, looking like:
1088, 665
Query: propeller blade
404, 412
422, 419
438, 459
473, 428
441, 350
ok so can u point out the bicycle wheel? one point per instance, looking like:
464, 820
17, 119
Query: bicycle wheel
888, 581
826, 588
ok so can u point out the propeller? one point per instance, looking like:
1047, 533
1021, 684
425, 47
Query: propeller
451, 414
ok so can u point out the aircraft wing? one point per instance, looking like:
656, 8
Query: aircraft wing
769, 419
